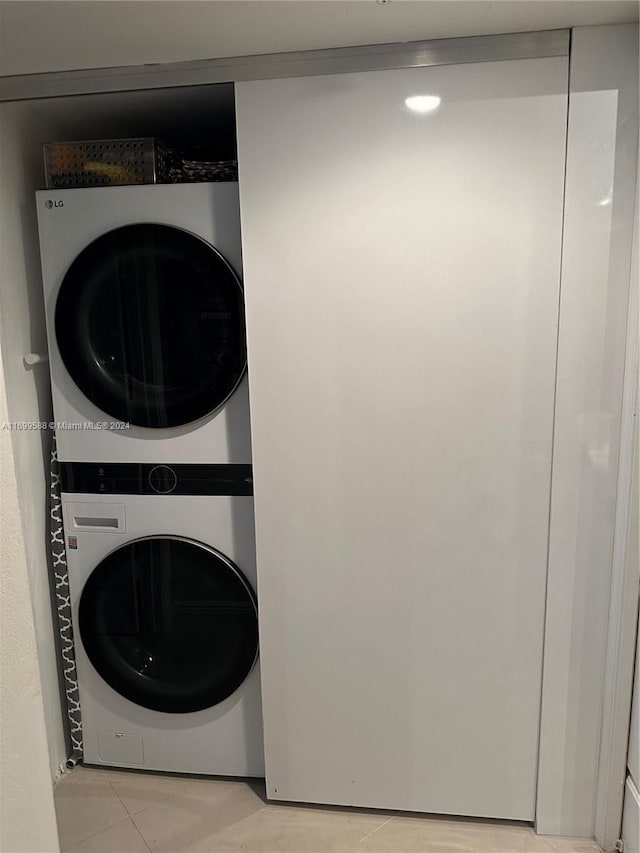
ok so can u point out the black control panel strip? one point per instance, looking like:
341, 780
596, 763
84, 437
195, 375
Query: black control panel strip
123, 478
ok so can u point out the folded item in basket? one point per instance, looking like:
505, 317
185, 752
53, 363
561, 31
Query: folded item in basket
203, 170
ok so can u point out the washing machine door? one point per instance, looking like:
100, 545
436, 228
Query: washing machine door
169, 624
149, 323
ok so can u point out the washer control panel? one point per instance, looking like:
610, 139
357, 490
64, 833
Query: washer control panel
123, 478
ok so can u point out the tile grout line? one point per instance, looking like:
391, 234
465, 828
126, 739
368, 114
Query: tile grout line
115, 791
369, 834
117, 823
138, 830
131, 817
94, 834
144, 840
124, 805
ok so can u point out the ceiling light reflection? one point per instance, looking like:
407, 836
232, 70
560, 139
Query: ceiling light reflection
423, 103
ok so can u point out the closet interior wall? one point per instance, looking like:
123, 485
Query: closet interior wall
203, 114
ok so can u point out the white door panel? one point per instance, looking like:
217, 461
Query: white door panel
401, 281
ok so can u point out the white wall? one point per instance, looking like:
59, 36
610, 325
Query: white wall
27, 817
631, 814
43, 36
634, 742
28, 396
625, 592
598, 229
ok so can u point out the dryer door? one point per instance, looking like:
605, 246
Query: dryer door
170, 624
150, 325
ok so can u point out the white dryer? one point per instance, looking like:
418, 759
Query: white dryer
145, 322
165, 619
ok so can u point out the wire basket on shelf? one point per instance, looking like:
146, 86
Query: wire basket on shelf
105, 162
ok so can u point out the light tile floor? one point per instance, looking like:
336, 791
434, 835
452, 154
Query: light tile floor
113, 811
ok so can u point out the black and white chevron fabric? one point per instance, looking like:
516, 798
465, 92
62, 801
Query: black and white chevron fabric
63, 601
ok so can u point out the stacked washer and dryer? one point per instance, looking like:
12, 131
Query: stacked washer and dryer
145, 319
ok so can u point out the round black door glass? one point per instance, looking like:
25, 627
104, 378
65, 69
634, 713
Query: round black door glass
150, 325
169, 624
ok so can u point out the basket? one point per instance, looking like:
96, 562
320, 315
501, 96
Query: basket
185, 171
104, 162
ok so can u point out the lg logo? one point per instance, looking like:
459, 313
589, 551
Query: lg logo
49, 203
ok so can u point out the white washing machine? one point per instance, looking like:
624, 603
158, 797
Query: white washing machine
165, 618
145, 322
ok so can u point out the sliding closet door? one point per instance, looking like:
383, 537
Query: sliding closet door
401, 276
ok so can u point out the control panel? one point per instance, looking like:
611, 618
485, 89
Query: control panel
123, 478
